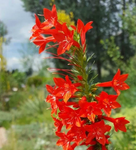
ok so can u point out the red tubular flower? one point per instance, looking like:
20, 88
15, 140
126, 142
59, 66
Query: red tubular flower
80, 77
53, 101
97, 130
50, 16
65, 39
41, 28
104, 147
64, 141
91, 148
58, 32
50, 21
94, 142
89, 109
117, 82
72, 147
58, 124
36, 28
70, 117
119, 123
94, 148
42, 41
107, 102
66, 87
52, 98
77, 133
44, 28
82, 29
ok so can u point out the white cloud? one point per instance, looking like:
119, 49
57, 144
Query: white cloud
18, 21
36, 61
19, 24
13, 63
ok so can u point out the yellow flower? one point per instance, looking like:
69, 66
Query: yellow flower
63, 17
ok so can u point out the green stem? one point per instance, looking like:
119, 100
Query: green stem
79, 59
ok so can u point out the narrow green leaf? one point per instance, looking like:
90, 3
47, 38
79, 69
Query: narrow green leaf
90, 58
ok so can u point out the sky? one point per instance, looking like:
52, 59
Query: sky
19, 24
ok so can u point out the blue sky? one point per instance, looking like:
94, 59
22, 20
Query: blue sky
19, 24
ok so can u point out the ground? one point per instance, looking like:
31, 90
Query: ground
3, 137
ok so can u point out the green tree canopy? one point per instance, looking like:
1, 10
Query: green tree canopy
106, 23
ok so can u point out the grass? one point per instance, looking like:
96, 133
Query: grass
31, 125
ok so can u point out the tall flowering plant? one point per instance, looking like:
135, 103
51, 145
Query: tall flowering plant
80, 115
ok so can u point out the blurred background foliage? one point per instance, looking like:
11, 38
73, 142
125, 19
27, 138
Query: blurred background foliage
23, 111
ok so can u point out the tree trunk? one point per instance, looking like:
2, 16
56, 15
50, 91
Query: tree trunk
123, 32
98, 62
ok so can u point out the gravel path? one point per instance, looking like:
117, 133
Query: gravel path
3, 137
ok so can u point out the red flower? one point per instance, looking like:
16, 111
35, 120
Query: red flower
80, 77
41, 28
53, 101
36, 28
42, 41
52, 98
44, 28
107, 102
58, 124
58, 32
93, 144
50, 16
119, 123
94, 147
70, 117
77, 133
97, 130
89, 109
82, 29
65, 141
65, 39
117, 82
66, 87
104, 147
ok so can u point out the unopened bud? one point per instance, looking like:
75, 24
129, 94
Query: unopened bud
90, 94
84, 57
93, 89
80, 77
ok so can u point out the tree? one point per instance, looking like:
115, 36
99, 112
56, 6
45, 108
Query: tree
106, 22
3, 32
129, 23
122, 47
3, 75
31, 62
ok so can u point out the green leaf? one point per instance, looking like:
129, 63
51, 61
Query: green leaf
90, 58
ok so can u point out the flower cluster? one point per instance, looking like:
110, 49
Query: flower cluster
80, 115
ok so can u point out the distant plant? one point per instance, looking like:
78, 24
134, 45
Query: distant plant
25, 111
35, 136
64, 17
126, 141
113, 50
129, 23
113, 53
34, 81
